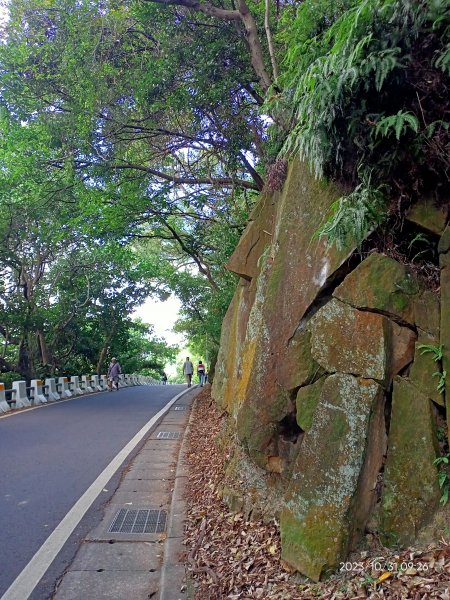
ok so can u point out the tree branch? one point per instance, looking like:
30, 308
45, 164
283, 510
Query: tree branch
214, 181
270, 40
246, 17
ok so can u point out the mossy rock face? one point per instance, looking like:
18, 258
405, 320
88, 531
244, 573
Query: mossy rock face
290, 273
427, 310
444, 261
347, 340
316, 522
411, 491
421, 374
428, 215
245, 258
300, 267
383, 284
298, 367
444, 242
232, 338
307, 400
315, 543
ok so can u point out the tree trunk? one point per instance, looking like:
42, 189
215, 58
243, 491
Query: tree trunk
46, 357
105, 348
24, 363
256, 53
270, 40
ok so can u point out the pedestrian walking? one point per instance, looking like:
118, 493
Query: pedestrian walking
164, 378
201, 370
188, 371
114, 371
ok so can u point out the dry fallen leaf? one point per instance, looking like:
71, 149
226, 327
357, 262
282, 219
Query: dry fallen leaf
238, 559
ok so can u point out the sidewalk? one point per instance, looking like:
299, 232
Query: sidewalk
133, 554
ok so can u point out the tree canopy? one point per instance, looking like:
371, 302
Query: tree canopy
137, 135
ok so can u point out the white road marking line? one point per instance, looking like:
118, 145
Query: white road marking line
28, 579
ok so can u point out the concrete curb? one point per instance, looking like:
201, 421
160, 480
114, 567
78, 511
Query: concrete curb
173, 571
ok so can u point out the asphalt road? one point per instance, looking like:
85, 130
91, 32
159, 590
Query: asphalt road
51, 455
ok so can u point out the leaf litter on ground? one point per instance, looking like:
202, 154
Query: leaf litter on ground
231, 558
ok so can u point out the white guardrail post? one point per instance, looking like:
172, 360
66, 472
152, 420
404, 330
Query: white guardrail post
63, 382
20, 394
86, 384
37, 390
76, 389
95, 383
52, 392
63, 388
4, 406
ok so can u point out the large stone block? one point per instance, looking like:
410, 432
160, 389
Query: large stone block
292, 272
318, 520
306, 401
411, 491
298, 367
421, 373
383, 284
364, 343
232, 337
444, 242
256, 237
427, 312
444, 261
428, 214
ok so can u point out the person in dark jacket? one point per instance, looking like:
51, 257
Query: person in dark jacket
114, 371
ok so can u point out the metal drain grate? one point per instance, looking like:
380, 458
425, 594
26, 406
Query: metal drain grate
139, 521
168, 435
180, 408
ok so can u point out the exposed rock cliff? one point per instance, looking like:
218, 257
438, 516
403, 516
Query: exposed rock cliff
332, 400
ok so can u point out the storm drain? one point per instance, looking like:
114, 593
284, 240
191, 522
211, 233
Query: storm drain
180, 408
168, 435
139, 521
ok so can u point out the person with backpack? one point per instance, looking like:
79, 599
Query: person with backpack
201, 370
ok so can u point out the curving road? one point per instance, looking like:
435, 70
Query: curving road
50, 456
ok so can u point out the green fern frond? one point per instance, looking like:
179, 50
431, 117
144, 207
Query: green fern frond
443, 60
398, 123
354, 216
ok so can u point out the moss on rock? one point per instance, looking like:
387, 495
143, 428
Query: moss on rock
411, 490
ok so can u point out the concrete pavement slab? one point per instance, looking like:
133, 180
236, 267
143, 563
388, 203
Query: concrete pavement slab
144, 485
118, 556
148, 499
142, 472
134, 566
108, 585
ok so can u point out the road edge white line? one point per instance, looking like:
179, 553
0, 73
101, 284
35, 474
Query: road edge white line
27, 580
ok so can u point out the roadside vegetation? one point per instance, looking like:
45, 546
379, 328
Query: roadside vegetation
136, 137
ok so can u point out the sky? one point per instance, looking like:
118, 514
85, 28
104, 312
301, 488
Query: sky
162, 315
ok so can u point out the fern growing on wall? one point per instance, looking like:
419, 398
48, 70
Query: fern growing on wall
366, 83
354, 216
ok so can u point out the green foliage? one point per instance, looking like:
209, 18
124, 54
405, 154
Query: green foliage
398, 123
422, 240
365, 83
436, 351
354, 216
443, 477
140, 123
8, 378
441, 380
